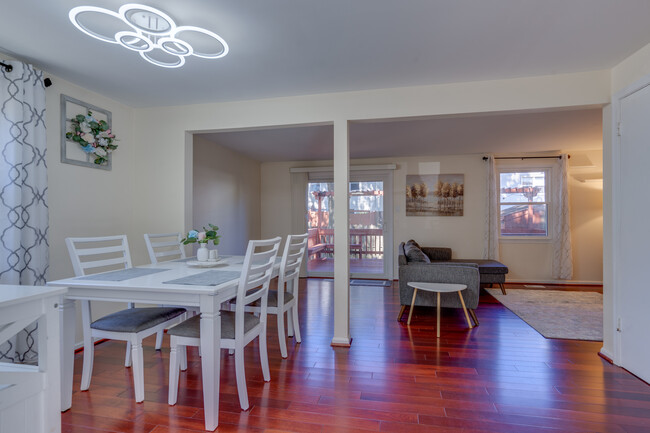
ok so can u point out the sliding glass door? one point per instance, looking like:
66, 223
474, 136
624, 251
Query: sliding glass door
368, 227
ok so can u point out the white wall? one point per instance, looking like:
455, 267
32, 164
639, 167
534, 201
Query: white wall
162, 142
587, 229
86, 201
529, 261
226, 192
625, 74
631, 70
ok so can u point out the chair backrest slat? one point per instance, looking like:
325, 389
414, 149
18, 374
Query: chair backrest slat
100, 250
102, 263
292, 257
164, 246
98, 254
256, 274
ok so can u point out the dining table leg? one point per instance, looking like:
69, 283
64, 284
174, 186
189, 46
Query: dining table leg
210, 359
68, 327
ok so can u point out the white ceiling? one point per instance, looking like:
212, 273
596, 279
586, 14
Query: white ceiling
500, 133
292, 47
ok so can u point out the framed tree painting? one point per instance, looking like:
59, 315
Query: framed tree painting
435, 195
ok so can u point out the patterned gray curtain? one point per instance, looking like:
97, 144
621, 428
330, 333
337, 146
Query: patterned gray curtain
24, 250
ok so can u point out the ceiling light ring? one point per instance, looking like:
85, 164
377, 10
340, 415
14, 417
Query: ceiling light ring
181, 60
189, 50
119, 37
74, 13
153, 29
213, 35
125, 9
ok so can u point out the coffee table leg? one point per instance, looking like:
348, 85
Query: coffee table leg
438, 317
415, 292
462, 301
401, 311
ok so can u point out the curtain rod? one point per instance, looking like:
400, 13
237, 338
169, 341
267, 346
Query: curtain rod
485, 158
47, 82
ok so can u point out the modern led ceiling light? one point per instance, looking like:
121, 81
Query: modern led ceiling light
150, 32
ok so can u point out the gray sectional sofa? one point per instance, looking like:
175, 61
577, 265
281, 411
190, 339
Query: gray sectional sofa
435, 265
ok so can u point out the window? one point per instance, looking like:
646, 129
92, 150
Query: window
523, 203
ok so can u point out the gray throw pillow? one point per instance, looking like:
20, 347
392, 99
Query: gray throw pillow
415, 254
412, 242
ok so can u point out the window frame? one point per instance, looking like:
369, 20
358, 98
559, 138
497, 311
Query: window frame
548, 191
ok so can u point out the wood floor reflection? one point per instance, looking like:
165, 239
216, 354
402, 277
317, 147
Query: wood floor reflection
501, 376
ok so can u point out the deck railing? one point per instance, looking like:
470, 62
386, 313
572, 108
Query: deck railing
364, 243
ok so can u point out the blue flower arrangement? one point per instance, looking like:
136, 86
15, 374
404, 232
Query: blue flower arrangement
207, 235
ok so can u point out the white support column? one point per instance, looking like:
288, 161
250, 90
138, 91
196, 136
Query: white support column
341, 235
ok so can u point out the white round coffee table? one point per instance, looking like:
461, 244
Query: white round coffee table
438, 288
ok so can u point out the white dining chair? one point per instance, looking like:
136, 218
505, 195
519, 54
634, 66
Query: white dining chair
283, 301
100, 254
164, 247
238, 328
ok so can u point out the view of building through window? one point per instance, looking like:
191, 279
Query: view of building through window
523, 203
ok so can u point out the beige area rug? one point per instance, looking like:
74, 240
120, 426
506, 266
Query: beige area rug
557, 314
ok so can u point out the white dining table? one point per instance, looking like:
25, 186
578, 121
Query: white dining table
154, 289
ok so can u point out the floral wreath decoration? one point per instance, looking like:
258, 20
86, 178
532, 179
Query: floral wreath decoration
94, 136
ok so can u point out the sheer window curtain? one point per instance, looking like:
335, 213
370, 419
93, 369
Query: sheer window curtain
562, 253
24, 250
492, 220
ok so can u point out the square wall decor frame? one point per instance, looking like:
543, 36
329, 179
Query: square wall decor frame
71, 152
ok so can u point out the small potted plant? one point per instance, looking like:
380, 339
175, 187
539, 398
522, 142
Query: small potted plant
202, 238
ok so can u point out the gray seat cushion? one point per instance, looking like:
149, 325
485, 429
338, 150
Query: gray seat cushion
273, 299
192, 327
136, 319
486, 266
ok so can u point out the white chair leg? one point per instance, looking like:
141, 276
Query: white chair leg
159, 339
289, 321
138, 368
296, 322
89, 355
240, 374
183, 358
264, 356
172, 394
127, 357
281, 337
89, 347
289, 324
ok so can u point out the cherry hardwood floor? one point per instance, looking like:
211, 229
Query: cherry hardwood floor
501, 376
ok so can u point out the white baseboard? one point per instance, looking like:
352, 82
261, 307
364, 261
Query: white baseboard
565, 282
607, 354
341, 341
